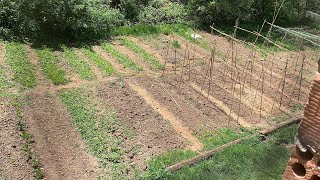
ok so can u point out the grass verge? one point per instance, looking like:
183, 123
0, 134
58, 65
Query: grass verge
96, 128
123, 59
33, 160
16, 56
50, 68
148, 58
99, 62
252, 159
78, 65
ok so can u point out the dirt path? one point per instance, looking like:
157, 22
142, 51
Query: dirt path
13, 162
58, 145
195, 144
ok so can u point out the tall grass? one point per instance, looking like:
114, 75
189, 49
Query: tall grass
78, 65
103, 65
148, 58
122, 58
16, 57
49, 66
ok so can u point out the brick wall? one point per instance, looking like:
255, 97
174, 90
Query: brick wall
304, 163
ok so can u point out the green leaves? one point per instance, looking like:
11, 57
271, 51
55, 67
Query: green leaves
16, 56
49, 66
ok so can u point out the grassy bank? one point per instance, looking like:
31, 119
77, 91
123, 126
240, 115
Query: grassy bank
254, 159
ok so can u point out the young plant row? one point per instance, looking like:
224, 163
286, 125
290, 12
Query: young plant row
77, 64
96, 128
147, 57
123, 59
16, 57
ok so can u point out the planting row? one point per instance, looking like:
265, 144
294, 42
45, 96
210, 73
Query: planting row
82, 63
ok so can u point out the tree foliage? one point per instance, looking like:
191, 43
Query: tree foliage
73, 19
92, 19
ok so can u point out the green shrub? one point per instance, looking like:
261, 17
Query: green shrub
162, 11
74, 19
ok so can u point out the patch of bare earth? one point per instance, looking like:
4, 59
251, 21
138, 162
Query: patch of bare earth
57, 144
13, 162
153, 134
197, 112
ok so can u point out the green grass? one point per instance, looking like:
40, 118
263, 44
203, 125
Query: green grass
213, 139
143, 29
252, 159
156, 169
49, 66
16, 57
99, 62
96, 127
122, 58
78, 65
147, 57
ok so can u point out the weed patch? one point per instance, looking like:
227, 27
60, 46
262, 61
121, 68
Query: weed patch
49, 66
123, 59
148, 58
102, 64
78, 65
16, 56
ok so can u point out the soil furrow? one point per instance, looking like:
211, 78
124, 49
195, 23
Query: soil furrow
57, 143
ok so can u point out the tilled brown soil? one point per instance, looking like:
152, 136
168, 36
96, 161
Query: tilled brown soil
196, 112
270, 91
13, 162
153, 134
57, 144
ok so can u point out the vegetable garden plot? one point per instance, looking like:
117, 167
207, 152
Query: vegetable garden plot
152, 133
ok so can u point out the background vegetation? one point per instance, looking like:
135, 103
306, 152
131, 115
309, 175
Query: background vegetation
95, 19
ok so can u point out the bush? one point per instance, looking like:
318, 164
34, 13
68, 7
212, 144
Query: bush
131, 9
222, 12
206, 12
73, 19
162, 11
9, 19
